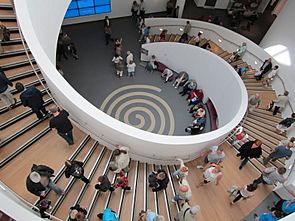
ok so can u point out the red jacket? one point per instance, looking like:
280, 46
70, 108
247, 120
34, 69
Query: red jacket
124, 184
196, 93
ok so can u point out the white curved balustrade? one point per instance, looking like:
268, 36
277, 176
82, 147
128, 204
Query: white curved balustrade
34, 17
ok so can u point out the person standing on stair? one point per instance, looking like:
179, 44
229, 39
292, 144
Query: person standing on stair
280, 103
104, 184
184, 191
187, 28
250, 149
158, 180
187, 212
254, 102
33, 98
271, 176
5, 94
285, 124
265, 68
62, 124
182, 172
75, 168
122, 159
280, 152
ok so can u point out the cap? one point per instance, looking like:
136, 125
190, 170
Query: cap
35, 177
195, 209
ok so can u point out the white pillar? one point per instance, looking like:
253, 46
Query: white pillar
181, 4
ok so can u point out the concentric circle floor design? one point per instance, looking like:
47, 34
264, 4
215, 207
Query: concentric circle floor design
140, 106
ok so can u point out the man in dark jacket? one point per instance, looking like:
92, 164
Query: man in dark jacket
5, 94
75, 168
32, 97
265, 68
158, 180
104, 184
250, 149
40, 179
62, 124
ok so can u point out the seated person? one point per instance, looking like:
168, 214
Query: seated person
188, 87
158, 180
151, 65
241, 70
284, 206
197, 126
195, 97
163, 35
239, 53
199, 113
167, 74
195, 107
206, 46
181, 79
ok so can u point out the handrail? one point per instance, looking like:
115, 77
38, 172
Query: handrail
27, 204
225, 39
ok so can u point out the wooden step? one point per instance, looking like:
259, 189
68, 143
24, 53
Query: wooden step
172, 37
271, 118
177, 38
262, 120
269, 113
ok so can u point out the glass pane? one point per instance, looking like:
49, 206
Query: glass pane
85, 3
102, 2
73, 5
86, 11
102, 9
72, 13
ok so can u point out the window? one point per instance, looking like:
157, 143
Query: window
88, 7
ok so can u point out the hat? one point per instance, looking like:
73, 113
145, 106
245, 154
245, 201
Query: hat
183, 188
35, 177
195, 209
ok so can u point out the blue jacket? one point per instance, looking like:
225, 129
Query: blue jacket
267, 217
109, 215
289, 209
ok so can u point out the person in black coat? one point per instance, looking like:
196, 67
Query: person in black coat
75, 169
250, 149
5, 94
33, 98
104, 184
266, 67
77, 213
158, 180
39, 180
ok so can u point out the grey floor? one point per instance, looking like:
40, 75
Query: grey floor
93, 75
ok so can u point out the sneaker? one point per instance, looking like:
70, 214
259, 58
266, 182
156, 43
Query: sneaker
200, 167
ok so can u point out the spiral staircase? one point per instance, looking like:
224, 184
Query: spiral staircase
26, 140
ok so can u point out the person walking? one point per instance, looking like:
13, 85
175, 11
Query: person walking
280, 103
184, 191
39, 180
104, 184
187, 28
142, 9
62, 124
75, 168
33, 98
131, 68
214, 155
244, 192
280, 152
5, 94
284, 125
254, 102
182, 172
122, 159
271, 176
134, 10
250, 149
265, 68
187, 212
108, 34
212, 173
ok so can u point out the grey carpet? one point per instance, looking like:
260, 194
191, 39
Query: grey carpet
93, 75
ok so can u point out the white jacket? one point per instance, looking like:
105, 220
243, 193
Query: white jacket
122, 160
131, 67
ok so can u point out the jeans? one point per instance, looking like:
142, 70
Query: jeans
130, 74
271, 156
177, 198
40, 112
244, 162
276, 110
67, 136
54, 187
259, 180
238, 197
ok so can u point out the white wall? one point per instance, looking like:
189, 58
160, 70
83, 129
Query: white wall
279, 42
216, 77
120, 8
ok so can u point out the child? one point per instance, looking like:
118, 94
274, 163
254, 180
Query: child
131, 68
122, 181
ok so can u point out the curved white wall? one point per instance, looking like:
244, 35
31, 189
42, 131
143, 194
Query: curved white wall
216, 77
144, 145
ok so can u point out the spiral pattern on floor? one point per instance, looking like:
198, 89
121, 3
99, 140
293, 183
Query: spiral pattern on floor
140, 106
